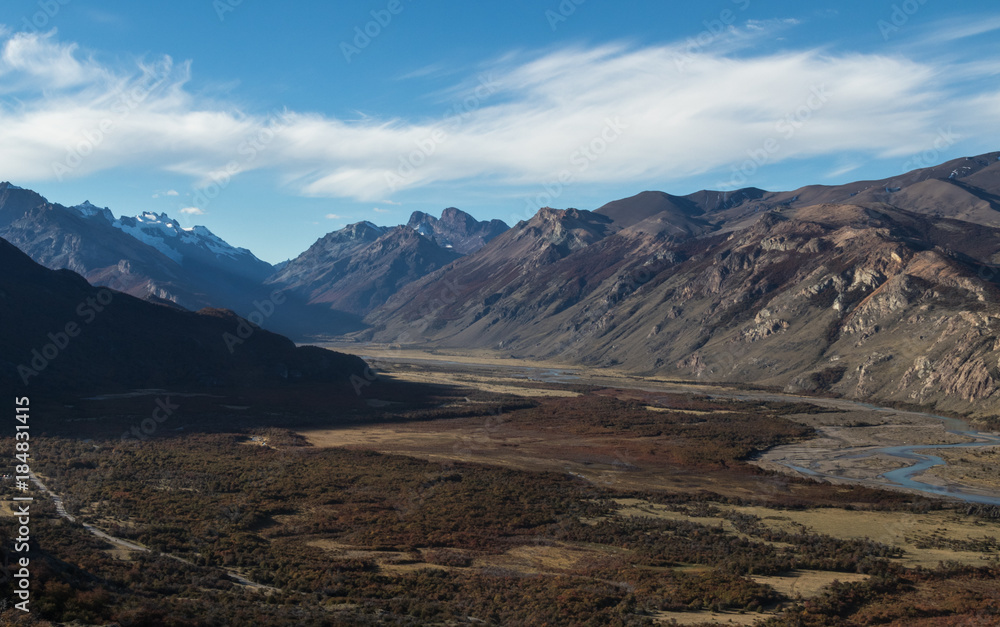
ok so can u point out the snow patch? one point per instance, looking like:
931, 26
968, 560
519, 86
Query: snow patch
169, 237
89, 210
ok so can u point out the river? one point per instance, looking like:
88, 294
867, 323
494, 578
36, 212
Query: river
906, 477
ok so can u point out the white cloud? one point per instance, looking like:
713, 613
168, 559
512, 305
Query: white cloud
172, 192
770, 25
36, 60
953, 30
682, 112
333, 216
843, 169
377, 210
432, 69
192, 211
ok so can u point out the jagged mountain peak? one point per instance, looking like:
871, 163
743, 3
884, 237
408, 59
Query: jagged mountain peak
90, 210
574, 227
456, 229
362, 230
16, 201
869, 301
149, 256
176, 242
357, 268
457, 218
551, 215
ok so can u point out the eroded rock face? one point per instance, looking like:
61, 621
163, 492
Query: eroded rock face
867, 303
965, 372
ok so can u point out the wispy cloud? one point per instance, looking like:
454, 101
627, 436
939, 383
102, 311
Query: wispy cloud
771, 25
954, 30
843, 169
192, 211
333, 216
38, 61
434, 69
677, 120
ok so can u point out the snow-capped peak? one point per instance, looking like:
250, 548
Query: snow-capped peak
167, 236
361, 230
89, 210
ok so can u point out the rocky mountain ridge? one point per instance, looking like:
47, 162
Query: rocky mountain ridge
867, 299
884, 290
63, 335
148, 256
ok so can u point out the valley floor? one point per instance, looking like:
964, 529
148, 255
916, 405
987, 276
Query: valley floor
848, 446
453, 494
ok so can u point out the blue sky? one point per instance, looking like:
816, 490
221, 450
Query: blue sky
273, 125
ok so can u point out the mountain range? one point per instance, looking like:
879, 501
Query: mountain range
883, 289
327, 290
63, 335
863, 290
149, 256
